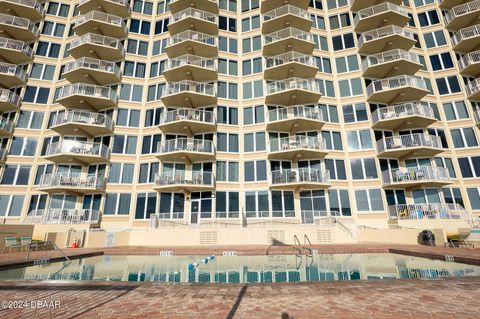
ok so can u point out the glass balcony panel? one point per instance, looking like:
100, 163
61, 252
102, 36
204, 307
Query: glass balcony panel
467, 39
92, 71
394, 117
19, 28
417, 176
105, 24
15, 51
379, 15
403, 146
95, 45
301, 176
73, 182
428, 212
76, 120
463, 15
397, 89
391, 63
385, 39
9, 100
62, 216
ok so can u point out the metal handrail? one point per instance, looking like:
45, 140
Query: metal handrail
473, 87
409, 140
30, 3
300, 175
8, 96
395, 83
389, 56
13, 70
103, 17
93, 64
288, 57
83, 117
469, 59
62, 216
379, 8
461, 9
465, 33
88, 90
194, 36
20, 23
195, 13
184, 177
283, 10
295, 111
92, 38
6, 125
190, 59
416, 174
17, 45
185, 144
383, 32
300, 142
287, 33
189, 86
78, 148
292, 84
428, 211
188, 114
81, 180
402, 110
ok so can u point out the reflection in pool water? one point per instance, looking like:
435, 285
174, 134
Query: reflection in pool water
245, 269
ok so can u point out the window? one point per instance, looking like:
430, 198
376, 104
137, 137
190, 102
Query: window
333, 4
230, 5
455, 110
248, 5
363, 168
446, 163
146, 205
227, 23
369, 200
159, 46
426, 196
142, 6
470, 166
359, 140
329, 113
339, 202
124, 144
139, 26
155, 92
326, 87
428, 18
16, 175
228, 67
435, 39
157, 68
11, 205
128, 117
227, 142
321, 43
30, 120
448, 85
252, 44
23, 146
35, 94
134, 69
282, 204
312, 204
256, 204
323, 64
441, 134
42, 71
227, 115
117, 204
227, 171
37, 202
227, 204
441, 61
254, 142
137, 47
58, 9
162, 6
53, 29
253, 115
252, 90
252, 66
130, 92
148, 172
250, 23
336, 168
227, 44
343, 42
161, 26
350, 87
203, 202
453, 196
150, 143
347, 63
42, 170
255, 171
333, 140
474, 197
318, 22
227, 90
340, 21
355, 113
464, 137
121, 173
48, 49
171, 205
152, 116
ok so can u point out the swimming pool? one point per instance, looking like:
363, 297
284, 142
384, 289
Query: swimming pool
244, 269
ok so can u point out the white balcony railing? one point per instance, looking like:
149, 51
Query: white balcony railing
465, 34
186, 145
7, 96
300, 175
378, 9
189, 86
469, 59
19, 22
284, 10
460, 10
96, 39
93, 64
416, 174
300, 142
181, 177
16, 45
428, 211
62, 216
102, 17
78, 148
288, 57
189, 115
287, 33
90, 90
401, 111
6, 125
383, 33
295, 112
195, 13
124, 3
84, 118
193, 60
473, 87
389, 56
396, 82
7, 69
408, 141
476, 114
292, 84
30, 3
192, 35
83, 180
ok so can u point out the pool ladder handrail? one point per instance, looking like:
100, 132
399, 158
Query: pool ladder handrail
55, 247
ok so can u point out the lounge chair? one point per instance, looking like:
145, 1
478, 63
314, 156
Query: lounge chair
26, 242
473, 238
11, 242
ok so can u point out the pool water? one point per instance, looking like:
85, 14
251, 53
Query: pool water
244, 269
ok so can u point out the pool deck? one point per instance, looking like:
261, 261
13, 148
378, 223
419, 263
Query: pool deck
412, 298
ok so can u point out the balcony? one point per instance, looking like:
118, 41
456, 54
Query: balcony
187, 150
286, 16
356, 5
385, 39
299, 179
72, 183
18, 28
470, 64
100, 23
204, 5
194, 19
293, 91
184, 181
298, 148
295, 118
87, 96
92, 71
423, 176
12, 75
473, 90
97, 46
269, 5
192, 42
448, 4
15, 51
62, 216
187, 121
467, 40
74, 151
288, 65
380, 15
390, 63
397, 89
463, 15
6, 127
9, 101
428, 212
288, 39
116, 7
189, 94
28, 9
191, 67
410, 145
84, 123
403, 116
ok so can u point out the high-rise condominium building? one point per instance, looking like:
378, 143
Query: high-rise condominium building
239, 115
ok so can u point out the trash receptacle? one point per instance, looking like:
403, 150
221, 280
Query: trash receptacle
426, 238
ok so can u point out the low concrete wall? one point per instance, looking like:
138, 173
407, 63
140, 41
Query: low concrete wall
449, 227
398, 236
14, 231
